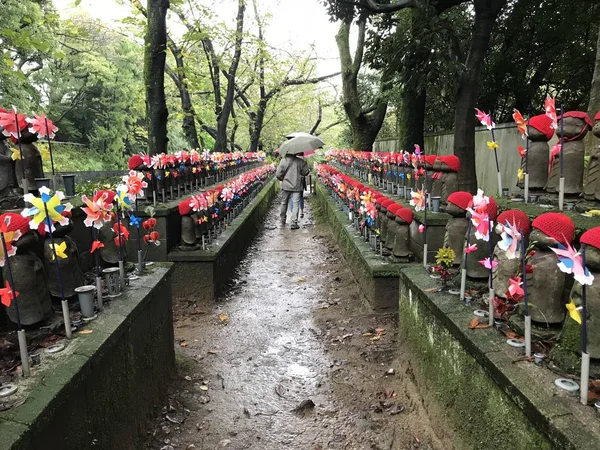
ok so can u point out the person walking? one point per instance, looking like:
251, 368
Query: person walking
290, 171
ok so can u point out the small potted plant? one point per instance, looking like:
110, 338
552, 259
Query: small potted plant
444, 260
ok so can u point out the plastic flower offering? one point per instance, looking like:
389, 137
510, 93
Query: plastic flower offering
445, 257
46, 208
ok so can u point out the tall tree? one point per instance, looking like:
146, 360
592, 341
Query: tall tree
594, 105
154, 75
365, 123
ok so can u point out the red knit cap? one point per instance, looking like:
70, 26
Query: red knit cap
17, 222
387, 202
591, 237
379, 200
135, 161
556, 225
493, 209
405, 214
518, 217
597, 116
579, 115
393, 208
451, 161
460, 199
542, 123
185, 208
430, 159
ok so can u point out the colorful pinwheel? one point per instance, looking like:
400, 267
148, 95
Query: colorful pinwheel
550, 109
9, 124
511, 239
9, 238
521, 123
135, 184
42, 126
7, 295
226, 194
485, 119
123, 199
571, 262
418, 199
488, 263
58, 250
46, 207
99, 209
135, 221
198, 203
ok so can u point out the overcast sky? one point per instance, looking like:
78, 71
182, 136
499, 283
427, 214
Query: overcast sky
293, 25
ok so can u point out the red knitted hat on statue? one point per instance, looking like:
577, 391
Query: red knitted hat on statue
460, 199
386, 203
405, 214
597, 116
542, 123
579, 115
135, 161
591, 237
451, 161
17, 222
519, 218
493, 208
185, 208
393, 208
556, 225
430, 159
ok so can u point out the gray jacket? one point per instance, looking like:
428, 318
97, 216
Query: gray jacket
290, 172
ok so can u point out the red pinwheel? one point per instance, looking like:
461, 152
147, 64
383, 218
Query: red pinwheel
152, 237
521, 122
42, 126
550, 109
7, 295
9, 125
149, 224
122, 234
485, 119
96, 245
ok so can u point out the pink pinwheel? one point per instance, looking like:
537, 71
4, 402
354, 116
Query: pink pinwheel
553, 154
515, 291
42, 126
198, 203
421, 228
418, 200
98, 209
227, 194
570, 261
488, 263
481, 223
470, 248
9, 125
7, 295
510, 240
521, 123
135, 184
485, 119
550, 109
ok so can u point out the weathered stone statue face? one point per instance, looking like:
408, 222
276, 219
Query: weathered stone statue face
596, 129
541, 240
592, 258
455, 211
573, 128
536, 135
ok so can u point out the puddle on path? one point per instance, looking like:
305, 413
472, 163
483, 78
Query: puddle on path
292, 329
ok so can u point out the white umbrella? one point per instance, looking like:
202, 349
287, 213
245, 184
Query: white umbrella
300, 144
299, 134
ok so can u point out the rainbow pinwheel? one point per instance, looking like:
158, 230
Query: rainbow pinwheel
511, 239
46, 207
571, 262
9, 238
574, 311
123, 199
135, 184
485, 119
59, 250
6, 295
98, 209
42, 126
418, 200
521, 123
550, 109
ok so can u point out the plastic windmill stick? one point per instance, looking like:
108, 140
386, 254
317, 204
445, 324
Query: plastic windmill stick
492, 294
525, 299
497, 164
22, 338
527, 164
95, 234
463, 272
585, 356
63, 302
140, 260
561, 186
25, 183
49, 145
120, 238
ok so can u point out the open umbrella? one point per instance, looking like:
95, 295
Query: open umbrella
300, 144
299, 134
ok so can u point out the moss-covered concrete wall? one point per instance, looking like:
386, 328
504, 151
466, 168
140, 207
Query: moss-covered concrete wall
100, 391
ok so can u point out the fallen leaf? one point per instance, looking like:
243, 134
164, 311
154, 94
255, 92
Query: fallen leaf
223, 317
474, 322
367, 334
86, 331
512, 335
375, 338
212, 352
430, 289
379, 330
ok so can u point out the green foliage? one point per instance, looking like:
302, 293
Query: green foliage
76, 158
89, 187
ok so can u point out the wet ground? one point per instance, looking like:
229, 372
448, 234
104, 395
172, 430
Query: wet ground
290, 358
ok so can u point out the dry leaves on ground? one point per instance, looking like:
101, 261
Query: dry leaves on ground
475, 323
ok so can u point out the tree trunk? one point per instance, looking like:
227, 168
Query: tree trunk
189, 114
154, 75
223, 119
411, 120
486, 12
594, 105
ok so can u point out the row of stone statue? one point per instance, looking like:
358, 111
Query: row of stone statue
34, 270
544, 167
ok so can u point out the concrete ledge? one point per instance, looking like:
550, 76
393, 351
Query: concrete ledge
480, 383
202, 273
378, 278
100, 391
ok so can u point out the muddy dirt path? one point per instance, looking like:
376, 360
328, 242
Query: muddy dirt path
289, 358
